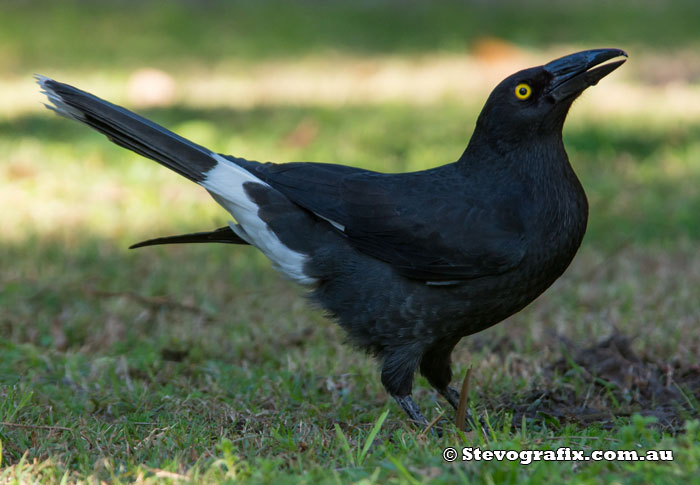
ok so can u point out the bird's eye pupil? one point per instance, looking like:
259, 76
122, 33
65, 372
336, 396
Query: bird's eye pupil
523, 91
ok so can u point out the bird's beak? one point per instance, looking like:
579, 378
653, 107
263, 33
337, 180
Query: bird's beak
572, 74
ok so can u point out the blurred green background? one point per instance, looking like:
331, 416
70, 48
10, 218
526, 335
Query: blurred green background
207, 343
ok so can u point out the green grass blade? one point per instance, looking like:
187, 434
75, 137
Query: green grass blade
370, 439
345, 444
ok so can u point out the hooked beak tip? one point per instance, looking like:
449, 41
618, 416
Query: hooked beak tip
573, 73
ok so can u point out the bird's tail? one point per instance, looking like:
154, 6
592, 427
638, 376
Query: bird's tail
129, 130
228, 182
220, 175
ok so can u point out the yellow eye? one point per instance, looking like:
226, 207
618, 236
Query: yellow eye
523, 91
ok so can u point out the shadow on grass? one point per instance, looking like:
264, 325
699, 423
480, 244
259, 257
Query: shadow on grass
597, 383
69, 291
48, 34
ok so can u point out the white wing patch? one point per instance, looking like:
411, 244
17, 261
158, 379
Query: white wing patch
442, 283
225, 183
337, 225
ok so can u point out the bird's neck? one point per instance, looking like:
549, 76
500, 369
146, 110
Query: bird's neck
539, 169
560, 206
539, 161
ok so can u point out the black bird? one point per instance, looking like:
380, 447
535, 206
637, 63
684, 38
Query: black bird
407, 263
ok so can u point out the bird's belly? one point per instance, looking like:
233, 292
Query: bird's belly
482, 303
379, 308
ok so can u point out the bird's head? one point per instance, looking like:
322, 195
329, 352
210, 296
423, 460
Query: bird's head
533, 103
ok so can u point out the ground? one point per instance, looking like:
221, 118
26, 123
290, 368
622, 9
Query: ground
199, 363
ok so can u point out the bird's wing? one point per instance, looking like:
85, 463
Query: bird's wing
425, 224
221, 235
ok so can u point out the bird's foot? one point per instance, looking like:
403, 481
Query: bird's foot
414, 414
411, 408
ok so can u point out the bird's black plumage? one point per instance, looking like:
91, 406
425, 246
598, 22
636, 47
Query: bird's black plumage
401, 218
407, 263
221, 235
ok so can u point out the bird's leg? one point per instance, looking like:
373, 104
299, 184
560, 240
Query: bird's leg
412, 409
451, 395
398, 368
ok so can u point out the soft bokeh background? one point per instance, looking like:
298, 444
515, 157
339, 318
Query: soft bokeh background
204, 343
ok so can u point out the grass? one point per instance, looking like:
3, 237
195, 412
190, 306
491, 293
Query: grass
199, 364
204, 33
